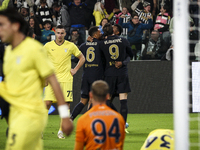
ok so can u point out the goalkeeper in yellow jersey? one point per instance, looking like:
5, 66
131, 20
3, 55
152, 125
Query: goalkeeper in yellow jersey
60, 52
26, 67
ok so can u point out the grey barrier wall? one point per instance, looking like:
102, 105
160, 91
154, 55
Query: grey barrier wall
151, 85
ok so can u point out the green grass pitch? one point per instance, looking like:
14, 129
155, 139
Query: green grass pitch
140, 125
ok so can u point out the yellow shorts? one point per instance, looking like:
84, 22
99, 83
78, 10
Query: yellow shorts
25, 131
66, 89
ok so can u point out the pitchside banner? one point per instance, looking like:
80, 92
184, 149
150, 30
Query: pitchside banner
195, 86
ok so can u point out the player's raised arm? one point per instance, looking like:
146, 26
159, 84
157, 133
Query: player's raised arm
63, 109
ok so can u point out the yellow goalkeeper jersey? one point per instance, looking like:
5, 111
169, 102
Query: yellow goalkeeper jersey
25, 68
60, 55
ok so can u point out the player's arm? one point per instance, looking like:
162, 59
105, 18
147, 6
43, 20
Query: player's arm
79, 145
78, 66
63, 109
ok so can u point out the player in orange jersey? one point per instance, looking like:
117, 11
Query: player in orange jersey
101, 127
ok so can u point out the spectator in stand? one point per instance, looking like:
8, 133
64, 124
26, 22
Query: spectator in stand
143, 17
162, 23
135, 31
124, 12
24, 11
103, 22
43, 13
125, 20
155, 48
47, 33
34, 29
49, 3
77, 10
100, 13
144, 12
74, 37
63, 17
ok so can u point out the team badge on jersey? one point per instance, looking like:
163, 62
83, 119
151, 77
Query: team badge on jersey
159, 139
65, 50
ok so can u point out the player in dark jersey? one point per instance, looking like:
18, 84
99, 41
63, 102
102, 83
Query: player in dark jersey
92, 68
116, 50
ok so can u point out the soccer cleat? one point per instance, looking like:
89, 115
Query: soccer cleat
126, 131
60, 136
127, 125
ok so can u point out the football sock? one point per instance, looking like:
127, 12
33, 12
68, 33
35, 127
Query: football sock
90, 106
124, 108
60, 125
108, 102
77, 110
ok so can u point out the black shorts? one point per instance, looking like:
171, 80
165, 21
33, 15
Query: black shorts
86, 85
118, 84
4, 108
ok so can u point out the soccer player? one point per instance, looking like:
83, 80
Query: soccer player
92, 69
60, 52
100, 127
26, 67
115, 50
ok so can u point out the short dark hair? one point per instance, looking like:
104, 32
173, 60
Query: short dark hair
43, 1
93, 30
119, 28
166, 8
47, 21
60, 27
108, 29
100, 89
55, 5
15, 17
134, 14
103, 19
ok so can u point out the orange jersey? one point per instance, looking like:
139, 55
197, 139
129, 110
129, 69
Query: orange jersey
101, 128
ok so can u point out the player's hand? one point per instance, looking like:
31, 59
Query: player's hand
67, 126
118, 64
73, 72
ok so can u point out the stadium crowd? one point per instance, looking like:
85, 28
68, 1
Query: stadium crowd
151, 41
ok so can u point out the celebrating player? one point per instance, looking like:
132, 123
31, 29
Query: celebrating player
100, 127
92, 69
60, 52
115, 51
26, 67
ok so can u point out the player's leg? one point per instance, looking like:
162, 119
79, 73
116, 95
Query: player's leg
85, 88
24, 131
78, 108
110, 104
89, 104
68, 95
124, 106
123, 87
